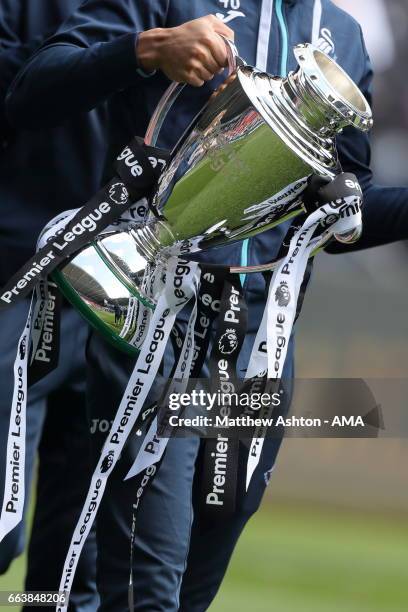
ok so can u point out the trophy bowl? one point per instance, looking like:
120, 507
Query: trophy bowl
239, 169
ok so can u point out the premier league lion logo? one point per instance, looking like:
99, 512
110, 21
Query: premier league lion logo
22, 348
119, 194
107, 462
228, 342
282, 295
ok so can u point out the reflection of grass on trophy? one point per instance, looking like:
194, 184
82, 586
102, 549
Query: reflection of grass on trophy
229, 173
109, 318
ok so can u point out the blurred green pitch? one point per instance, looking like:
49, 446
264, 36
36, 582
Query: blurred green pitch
295, 558
299, 559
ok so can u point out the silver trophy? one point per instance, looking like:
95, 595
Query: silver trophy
238, 170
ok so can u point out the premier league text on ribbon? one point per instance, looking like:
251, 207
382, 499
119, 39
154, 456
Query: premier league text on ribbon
85, 225
17, 463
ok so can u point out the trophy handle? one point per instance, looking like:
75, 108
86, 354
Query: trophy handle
174, 90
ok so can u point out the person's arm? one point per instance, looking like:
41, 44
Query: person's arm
13, 54
105, 47
385, 209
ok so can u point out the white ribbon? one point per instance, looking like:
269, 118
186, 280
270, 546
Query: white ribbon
179, 288
14, 484
272, 340
153, 446
129, 317
151, 286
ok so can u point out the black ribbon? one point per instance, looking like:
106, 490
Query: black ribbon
220, 456
138, 167
45, 355
209, 298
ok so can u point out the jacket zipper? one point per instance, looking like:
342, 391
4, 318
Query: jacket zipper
284, 37
283, 72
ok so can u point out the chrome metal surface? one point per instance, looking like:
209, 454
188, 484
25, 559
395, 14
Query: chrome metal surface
260, 135
107, 303
239, 169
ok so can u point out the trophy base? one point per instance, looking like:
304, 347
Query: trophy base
110, 283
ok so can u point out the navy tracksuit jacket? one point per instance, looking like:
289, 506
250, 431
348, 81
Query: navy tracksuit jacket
43, 173
92, 59
37, 168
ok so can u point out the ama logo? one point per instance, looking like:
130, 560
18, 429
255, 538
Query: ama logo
230, 16
231, 10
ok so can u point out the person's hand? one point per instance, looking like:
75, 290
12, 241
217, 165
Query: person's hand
190, 53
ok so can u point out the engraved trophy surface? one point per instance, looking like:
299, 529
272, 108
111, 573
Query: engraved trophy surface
238, 170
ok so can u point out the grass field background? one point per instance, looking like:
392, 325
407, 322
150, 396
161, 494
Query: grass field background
309, 559
331, 536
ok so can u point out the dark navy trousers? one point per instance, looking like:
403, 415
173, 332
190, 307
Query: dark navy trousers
57, 428
180, 558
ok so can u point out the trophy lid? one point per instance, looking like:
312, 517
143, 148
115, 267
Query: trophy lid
329, 82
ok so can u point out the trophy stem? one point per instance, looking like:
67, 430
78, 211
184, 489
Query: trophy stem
151, 238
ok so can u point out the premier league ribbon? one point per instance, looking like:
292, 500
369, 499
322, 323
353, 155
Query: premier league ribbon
172, 285
180, 287
191, 352
138, 169
218, 490
340, 215
13, 500
155, 442
37, 355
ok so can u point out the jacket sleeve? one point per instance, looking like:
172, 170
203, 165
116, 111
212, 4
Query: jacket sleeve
92, 56
385, 209
13, 54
